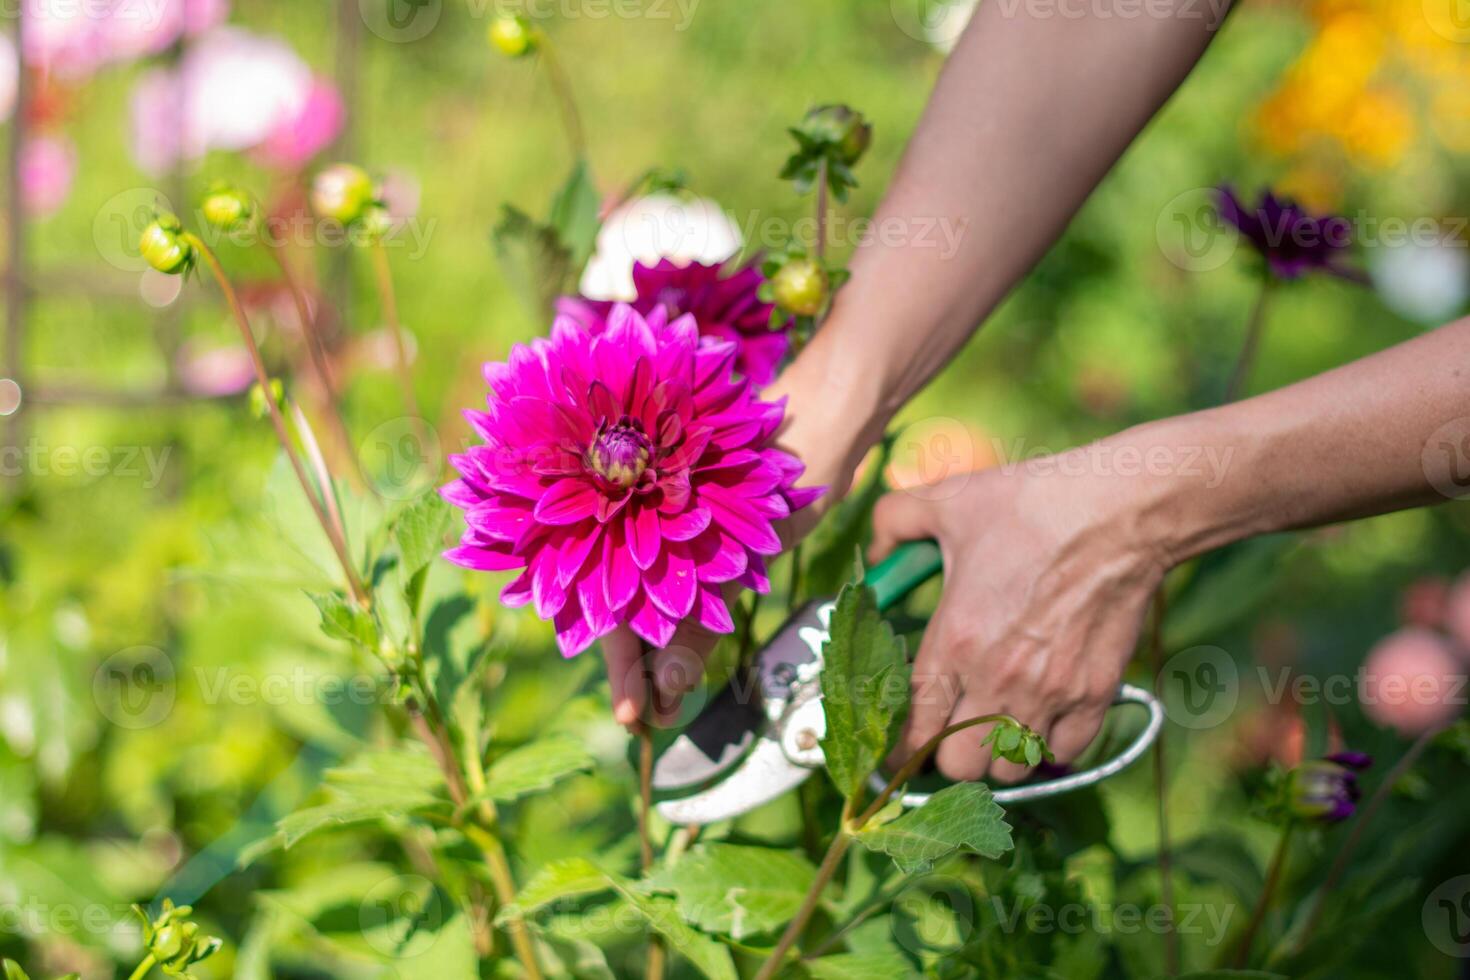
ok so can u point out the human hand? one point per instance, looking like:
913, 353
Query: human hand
1049, 571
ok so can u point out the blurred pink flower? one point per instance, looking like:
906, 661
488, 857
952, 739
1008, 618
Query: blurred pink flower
1412, 681
139, 28
234, 91
1425, 602
47, 166
74, 38
300, 135
9, 68
1457, 613
215, 373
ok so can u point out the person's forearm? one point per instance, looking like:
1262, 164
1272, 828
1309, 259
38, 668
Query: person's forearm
1349, 443
1031, 111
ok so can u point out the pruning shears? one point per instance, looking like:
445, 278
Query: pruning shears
762, 733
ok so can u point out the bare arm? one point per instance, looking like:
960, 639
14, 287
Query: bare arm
1050, 566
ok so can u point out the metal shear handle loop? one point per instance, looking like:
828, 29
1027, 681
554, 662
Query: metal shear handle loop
1127, 694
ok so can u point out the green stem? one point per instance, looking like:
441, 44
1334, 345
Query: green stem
793, 598
142, 971
1263, 904
1350, 846
657, 957
335, 535
1247, 359
561, 87
383, 276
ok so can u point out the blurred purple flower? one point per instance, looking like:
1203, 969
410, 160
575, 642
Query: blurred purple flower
1293, 242
48, 164
1326, 790
74, 39
726, 306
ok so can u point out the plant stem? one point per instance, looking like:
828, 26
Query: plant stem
142, 971
1350, 846
656, 954
318, 353
335, 535
880, 901
1254, 327
843, 838
383, 276
793, 598
505, 893
561, 87
820, 246
1258, 915
1161, 792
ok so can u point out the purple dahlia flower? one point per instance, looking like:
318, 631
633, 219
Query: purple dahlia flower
1293, 242
727, 307
1326, 790
629, 474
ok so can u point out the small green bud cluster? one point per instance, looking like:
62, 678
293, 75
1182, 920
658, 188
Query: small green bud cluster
174, 942
833, 137
344, 193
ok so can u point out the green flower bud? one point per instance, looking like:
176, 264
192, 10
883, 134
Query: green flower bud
800, 286
1018, 744
169, 941
227, 208
163, 246
841, 127
342, 192
512, 35
259, 407
375, 222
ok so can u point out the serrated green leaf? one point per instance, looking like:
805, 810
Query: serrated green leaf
374, 786
536, 262
534, 767
865, 689
960, 817
568, 878
662, 915
342, 620
576, 213
884, 965
737, 890
440, 953
419, 532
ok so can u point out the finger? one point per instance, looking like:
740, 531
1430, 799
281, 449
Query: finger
623, 652
900, 516
1074, 732
963, 756
933, 692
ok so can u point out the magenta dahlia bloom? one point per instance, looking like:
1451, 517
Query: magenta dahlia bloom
629, 473
726, 307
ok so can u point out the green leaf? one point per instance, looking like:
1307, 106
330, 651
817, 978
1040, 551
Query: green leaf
376, 785
865, 689
536, 262
736, 890
535, 767
576, 213
881, 965
419, 532
14, 972
568, 878
342, 620
960, 817
662, 915
440, 953
1228, 974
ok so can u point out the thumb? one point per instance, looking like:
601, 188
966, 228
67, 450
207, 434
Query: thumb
900, 516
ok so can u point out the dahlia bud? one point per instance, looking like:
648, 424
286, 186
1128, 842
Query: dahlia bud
163, 245
259, 407
1018, 743
342, 193
227, 208
800, 286
512, 35
1326, 790
841, 127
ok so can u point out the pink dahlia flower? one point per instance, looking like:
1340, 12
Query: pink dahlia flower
726, 307
629, 473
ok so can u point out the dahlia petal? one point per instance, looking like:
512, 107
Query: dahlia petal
567, 502
651, 624
460, 494
599, 617
755, 577
683, 331
549, 597
798, 498
743, 523
671, 583
711, 612
483, 559
685, 526
497, 520
573, 634
517, 592
643, 535
620, 576
718, 557
574, 553
676, 493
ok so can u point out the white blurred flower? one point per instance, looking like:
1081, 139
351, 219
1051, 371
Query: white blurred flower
74, 38
659, 226
944, 22
1427, 283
